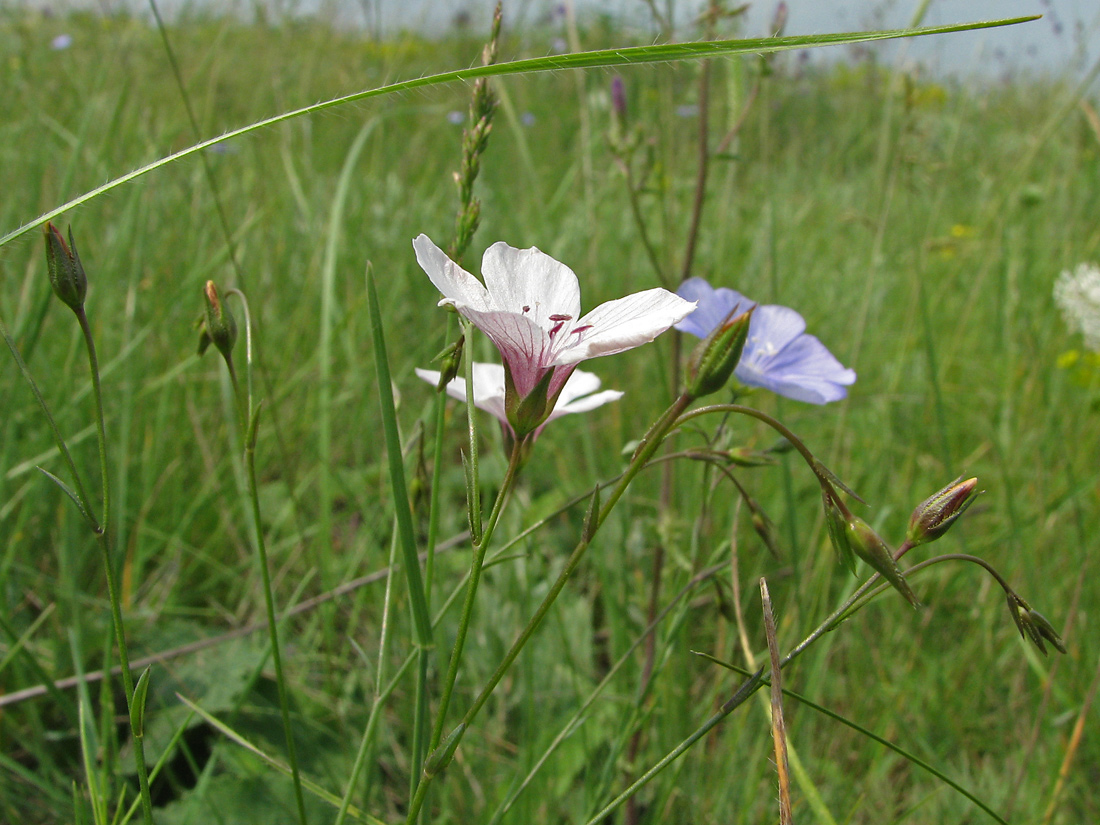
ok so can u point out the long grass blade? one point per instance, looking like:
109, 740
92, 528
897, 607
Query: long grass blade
602, 58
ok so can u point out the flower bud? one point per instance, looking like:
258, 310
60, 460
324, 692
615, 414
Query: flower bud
935, 515
66, 272
1046, 630
870, 547
450, 362
618, 99
219, 327
715, 358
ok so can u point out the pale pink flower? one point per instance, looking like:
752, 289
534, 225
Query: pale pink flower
530, 307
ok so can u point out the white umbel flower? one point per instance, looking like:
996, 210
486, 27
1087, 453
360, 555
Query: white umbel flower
1077, 294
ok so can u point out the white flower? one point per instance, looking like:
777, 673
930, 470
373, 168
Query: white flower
530, 306
578, 395
1077, 294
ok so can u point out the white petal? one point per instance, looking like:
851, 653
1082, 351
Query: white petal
580, 383
620, 325
458, 286
530, 282
589, 402
488, 388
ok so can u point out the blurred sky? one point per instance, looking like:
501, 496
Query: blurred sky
1065, 42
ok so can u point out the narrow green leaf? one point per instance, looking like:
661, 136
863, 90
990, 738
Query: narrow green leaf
661, 53
402, 509
137, 706
68, 491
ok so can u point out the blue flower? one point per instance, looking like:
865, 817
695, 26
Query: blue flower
779, 355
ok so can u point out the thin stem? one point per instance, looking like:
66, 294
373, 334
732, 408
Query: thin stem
646, 449
476, 566
639, 222
103, 538
97, 394
272, 623
248, 422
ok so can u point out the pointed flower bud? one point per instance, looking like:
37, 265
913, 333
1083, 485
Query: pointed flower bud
1046, 630
451, 362
935, 515
66, 272
716, 357
870, 547
219, 327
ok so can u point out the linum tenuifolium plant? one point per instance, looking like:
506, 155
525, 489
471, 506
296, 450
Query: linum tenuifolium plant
529, 306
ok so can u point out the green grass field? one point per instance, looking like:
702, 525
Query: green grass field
917, 227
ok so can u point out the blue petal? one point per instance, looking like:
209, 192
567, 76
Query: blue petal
779, 357
714, 306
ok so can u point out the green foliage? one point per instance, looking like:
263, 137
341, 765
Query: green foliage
917, 226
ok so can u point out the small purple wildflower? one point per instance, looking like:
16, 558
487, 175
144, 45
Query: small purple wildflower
455, 117
778, 355
618, 98
61, 42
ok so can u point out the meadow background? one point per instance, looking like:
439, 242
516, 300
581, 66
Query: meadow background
918, 226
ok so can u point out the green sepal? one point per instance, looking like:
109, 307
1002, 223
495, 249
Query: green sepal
715, 358
527, 414
870, 547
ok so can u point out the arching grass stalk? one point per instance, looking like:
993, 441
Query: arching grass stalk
248, 418
597, 514
602, 58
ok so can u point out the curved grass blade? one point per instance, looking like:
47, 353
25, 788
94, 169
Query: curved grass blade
601, 58
69, 492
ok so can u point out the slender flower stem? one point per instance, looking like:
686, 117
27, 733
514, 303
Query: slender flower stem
103, 538
272, 623
645, 451
248, 420
476, 566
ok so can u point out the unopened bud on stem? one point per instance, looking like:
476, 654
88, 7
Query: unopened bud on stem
935, 515
870, 547
219, 327
715, 358
67, 277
